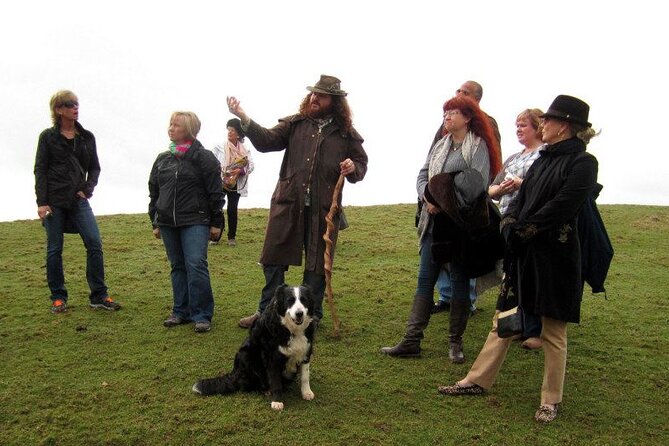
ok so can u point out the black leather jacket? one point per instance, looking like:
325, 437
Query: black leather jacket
64, 168
186, 191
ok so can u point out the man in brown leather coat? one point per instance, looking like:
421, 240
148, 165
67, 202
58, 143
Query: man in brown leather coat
319, 143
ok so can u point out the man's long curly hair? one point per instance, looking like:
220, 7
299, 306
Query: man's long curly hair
340, 111
479, 124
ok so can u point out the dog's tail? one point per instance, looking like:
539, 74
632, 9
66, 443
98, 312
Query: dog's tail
219, 385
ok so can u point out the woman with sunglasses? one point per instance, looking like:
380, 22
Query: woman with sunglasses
66, 172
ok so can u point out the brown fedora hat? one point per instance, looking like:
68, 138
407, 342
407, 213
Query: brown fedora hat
570, 109
328, 85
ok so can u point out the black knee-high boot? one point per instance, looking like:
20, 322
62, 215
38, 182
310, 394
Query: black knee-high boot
409, 346
459, 315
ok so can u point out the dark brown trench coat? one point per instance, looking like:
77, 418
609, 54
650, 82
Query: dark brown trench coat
304, 145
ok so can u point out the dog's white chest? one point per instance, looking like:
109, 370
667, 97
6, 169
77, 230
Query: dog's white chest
296, 351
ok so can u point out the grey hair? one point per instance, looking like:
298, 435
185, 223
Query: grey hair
586, 134
478, 90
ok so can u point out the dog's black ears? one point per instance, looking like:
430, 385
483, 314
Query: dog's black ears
280, 299
307, 295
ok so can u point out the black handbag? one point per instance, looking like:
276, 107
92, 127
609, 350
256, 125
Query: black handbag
510, 322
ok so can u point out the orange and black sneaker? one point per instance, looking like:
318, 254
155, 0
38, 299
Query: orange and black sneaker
106, 303
58, 306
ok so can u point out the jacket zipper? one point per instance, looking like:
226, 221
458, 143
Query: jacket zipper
176, 183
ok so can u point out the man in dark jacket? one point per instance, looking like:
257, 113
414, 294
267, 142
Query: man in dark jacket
320, 143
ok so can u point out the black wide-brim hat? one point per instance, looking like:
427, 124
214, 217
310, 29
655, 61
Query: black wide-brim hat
570, 109
328, 85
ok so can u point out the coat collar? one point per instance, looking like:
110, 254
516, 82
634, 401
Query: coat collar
80, 128
566, 147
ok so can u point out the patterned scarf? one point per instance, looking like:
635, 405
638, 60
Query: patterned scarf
179, 150
235, 153
443, 147
323, 122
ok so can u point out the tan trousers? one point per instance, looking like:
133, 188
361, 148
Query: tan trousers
492, 355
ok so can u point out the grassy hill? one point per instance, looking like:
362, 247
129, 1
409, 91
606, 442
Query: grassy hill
91, 377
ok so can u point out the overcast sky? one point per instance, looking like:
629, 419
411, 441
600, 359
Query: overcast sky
133, 63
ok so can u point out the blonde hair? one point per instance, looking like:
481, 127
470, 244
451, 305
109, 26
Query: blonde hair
57, 101
586, 134
534, 116
191, 122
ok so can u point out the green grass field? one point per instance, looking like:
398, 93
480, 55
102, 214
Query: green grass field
94, 377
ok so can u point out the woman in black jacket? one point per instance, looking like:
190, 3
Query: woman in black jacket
540, 228
185, 208
66, 172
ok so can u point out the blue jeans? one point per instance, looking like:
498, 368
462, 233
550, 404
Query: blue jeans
444, 288
186, 248
82, 214
429, 271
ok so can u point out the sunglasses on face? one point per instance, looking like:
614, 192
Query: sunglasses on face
70, 104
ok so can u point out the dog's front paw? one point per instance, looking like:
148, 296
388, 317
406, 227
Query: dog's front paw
308, 395
196, 388
277, 405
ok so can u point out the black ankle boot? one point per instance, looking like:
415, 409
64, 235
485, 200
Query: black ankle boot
409, 347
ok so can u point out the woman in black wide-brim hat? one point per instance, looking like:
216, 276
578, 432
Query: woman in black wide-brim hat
542, 239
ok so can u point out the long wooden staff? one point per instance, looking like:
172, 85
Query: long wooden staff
334, 210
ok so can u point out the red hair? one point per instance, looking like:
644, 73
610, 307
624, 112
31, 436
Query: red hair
479, 124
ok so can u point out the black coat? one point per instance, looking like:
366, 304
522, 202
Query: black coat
62, 168
545, 233
467, 229
186, 191
596, 248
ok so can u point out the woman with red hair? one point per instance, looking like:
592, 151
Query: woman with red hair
468, 144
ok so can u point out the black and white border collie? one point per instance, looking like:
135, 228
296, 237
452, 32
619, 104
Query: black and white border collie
277, 349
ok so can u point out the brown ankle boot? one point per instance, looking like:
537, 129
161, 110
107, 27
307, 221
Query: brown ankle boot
247, 321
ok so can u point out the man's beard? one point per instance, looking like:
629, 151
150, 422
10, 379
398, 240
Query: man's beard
320, 113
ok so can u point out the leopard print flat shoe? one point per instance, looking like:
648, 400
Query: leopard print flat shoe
457, 389
546, 414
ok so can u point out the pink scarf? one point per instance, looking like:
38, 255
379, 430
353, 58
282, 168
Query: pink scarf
179, 150
234, 153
